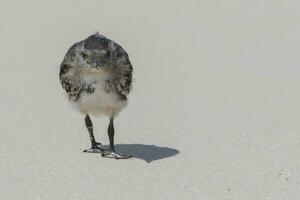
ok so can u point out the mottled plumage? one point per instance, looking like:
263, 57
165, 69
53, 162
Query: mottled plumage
96, 75
96, 62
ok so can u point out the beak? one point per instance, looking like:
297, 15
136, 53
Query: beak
97, 63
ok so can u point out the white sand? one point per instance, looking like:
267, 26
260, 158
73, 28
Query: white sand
214, 114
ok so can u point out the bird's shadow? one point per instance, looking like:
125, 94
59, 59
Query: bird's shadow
146, 152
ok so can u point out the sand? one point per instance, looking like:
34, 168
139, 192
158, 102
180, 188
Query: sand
214, 112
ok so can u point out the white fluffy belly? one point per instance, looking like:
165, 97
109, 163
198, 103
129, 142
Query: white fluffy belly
99, 103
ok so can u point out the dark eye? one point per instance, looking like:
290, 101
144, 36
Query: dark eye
84, 55
108, 54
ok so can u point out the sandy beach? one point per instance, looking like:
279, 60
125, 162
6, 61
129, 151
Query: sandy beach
213, 115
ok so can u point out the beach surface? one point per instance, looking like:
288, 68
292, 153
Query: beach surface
213, 115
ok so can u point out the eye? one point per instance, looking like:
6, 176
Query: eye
84, 55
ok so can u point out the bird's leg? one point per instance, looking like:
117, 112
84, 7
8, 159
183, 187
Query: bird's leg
96, 147
111, 134
111, 152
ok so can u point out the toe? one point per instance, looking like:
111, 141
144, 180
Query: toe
92, 150
111, 154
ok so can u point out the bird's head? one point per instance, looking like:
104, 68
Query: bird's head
94, 52
95, 59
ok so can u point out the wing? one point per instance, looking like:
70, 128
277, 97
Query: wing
123, 81
73, 91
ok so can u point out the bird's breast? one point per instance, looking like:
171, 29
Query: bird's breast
100, 102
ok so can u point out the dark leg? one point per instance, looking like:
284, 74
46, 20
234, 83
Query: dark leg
96, 147
111, 153
111, 134
89, 126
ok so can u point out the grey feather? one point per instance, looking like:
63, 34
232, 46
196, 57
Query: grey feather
96, 53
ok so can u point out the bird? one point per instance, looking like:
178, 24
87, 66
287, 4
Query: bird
96, 75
